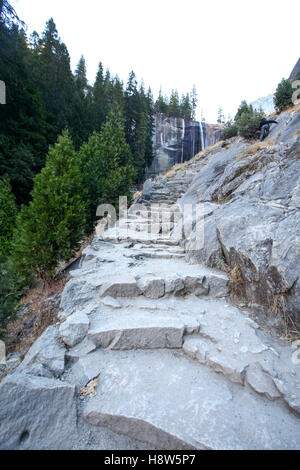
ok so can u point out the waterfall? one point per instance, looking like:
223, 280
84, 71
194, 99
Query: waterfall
202, 137
193, 137
182, 139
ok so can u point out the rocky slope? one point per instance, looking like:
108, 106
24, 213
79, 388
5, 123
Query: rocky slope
150, 351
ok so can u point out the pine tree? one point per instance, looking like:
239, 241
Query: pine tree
53, 76
80, 76
81, 124
149, 155
118, 162
186, 110
8, 212
50, 228
118, 94
221, 117
99, 102
132, 106
8, 15
106, 165
23, 129
161, 105
174, 107
283, 95
243, 108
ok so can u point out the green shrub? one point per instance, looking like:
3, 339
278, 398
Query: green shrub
248, 124
50, 228
11, 289
230, 131
8, 212
283, 95
106, 165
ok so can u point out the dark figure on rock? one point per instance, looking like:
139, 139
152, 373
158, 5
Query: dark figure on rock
265, 127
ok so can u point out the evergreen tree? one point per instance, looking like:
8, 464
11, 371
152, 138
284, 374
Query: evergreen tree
161, 105
99, 102
174, 107
221, 117
117, 162
243, 108
246, 123
283, 95
149, 155
53, 76
23, 119
106, 166
50, 228
186, 110
118, 94
81, 125
80, 76
8, 15
132, 108
8, 212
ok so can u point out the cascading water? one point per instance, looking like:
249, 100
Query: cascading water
182, 140
202, 136
177, 140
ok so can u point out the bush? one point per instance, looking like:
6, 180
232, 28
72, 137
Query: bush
106, 165
11, 289
50, 228
248, 124
283, 95
8, 212
230, 131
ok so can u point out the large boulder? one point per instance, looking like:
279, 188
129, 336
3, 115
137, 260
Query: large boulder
36, 413
74, 329
46, 357
250, 199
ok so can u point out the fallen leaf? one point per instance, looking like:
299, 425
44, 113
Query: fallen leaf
90, 388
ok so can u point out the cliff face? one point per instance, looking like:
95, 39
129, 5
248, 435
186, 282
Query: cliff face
177, 140
295, 70
250, 195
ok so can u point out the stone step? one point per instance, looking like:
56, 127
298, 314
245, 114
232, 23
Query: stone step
138, 237
156, 285
156, 254
140, 329
159, 247
170, 402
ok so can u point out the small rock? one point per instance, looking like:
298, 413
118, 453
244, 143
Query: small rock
111, 302
74, 329
261, 382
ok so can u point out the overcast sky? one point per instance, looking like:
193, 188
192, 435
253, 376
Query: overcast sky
230, 49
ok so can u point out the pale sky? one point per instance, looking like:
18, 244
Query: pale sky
230, 49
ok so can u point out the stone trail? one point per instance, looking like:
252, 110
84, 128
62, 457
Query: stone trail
179, 367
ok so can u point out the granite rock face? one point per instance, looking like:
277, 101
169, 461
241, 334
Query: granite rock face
177, 140
250, 198
295, 70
